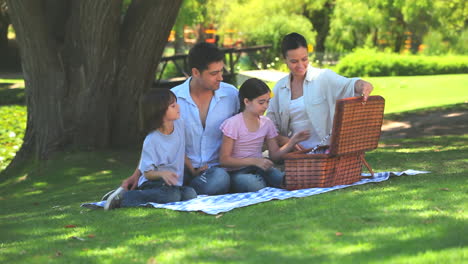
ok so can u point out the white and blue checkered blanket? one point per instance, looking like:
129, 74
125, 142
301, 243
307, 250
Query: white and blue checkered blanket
222, 203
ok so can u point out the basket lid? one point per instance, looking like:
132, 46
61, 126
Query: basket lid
356, 125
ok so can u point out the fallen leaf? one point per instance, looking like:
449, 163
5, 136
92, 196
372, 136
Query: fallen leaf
218, 216
231, 226
91, 235
444, 189
70, 226
338, 234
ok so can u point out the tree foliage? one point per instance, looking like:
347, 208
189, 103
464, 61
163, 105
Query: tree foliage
266, 22
343, 25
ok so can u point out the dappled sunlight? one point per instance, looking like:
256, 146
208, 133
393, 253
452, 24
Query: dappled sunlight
118, 251
345, 250
14, 180
40, 184
28, 193
447, 255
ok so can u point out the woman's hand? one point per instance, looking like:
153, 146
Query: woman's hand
364, 88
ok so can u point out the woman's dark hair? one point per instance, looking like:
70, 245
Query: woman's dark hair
251, 89
203, 54
153, 107
292, 41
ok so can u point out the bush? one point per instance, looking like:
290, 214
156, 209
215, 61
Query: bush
366, 62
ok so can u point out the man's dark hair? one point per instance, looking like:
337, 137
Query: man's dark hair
292, 41
202, 54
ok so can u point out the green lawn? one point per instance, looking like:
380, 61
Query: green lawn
407, 219
406, 93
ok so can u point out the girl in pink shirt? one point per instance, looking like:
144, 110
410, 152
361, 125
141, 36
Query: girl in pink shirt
244, 135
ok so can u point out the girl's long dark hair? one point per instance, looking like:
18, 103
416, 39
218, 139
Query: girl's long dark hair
153, 107
251, 89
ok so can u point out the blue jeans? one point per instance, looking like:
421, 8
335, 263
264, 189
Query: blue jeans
211, 182
157, 192
252, 178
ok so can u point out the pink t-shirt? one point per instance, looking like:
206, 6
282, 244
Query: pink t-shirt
248, 144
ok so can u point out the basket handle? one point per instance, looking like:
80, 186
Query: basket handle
363, 159
307, 150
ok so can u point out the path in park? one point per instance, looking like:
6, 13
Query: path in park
264, 75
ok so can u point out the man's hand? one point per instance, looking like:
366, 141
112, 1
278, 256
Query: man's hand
169, 177
198, 171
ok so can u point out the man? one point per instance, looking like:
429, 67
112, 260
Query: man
205, 102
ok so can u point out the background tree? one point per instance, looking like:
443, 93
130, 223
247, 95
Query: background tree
276, 19
4, 24
190, 14
9, 57
319, 14
86, 63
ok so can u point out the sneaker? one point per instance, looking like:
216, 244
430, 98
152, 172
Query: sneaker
106, 196
114, 199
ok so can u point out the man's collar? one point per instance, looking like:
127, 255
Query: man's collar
185, 93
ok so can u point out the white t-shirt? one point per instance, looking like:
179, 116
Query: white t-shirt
164, 152
299, 121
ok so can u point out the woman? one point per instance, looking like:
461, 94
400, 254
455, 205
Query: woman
306, 98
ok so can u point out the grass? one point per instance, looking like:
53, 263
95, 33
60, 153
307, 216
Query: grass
407, 219
406, 93
417, 219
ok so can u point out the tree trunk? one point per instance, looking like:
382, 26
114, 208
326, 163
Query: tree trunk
4, 47
85, 68
320, 19
179, 40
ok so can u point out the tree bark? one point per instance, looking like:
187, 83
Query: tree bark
140, 53
320, 19
85, 68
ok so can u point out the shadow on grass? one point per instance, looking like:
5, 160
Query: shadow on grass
445, 120
401, 218
11, 96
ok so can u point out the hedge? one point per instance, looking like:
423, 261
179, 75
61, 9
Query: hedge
367, 62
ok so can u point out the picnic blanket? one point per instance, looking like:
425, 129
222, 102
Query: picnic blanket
216, 204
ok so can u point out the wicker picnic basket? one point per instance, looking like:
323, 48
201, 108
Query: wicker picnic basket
356, 129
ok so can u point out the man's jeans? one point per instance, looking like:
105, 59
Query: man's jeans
157, 192
252, 178
211, 182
